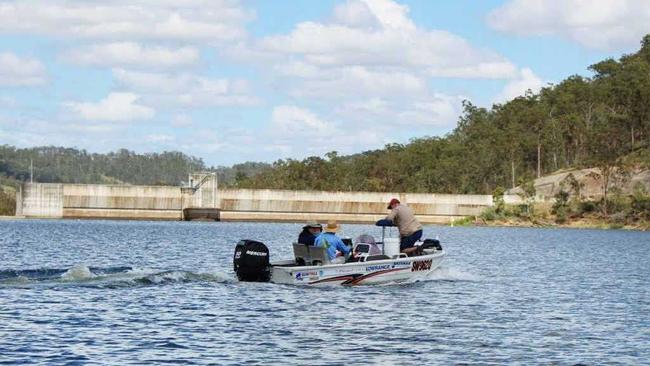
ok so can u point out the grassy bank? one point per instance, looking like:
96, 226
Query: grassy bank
7, 201
620, 212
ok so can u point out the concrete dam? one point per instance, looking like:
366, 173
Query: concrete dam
202, 199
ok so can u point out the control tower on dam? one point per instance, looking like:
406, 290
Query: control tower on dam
201, 198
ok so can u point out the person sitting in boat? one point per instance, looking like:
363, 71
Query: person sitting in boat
332, 242
410, 230
309, 233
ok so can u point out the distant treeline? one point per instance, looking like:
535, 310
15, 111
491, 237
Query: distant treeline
68, 165
600, 121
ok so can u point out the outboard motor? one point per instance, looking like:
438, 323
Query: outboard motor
431, 244
251, 261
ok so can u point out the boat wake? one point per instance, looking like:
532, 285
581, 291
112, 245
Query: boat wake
105, 277
452, 274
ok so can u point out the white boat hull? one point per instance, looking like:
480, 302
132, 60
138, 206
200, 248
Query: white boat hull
405, 269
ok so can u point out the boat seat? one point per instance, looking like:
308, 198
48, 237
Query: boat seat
318, 255
300, 253
310, 255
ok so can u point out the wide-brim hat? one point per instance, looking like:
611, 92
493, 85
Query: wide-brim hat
313, 224
392, 202
331, 227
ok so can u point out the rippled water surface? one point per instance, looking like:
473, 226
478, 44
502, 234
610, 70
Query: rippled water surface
108, 292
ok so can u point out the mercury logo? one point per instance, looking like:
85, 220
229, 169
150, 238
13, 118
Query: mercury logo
259, 254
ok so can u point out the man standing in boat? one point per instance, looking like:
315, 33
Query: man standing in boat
410, 229
332, 242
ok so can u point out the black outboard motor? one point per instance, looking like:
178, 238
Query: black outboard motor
251, 261
431, 243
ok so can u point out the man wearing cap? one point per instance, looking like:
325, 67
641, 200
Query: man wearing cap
332, 242
309, 233
410, 229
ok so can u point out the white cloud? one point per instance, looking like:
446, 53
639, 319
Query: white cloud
298, 132
185, 89
160, 138
116, 107
189, 20
377, 67
372, 50
289, 120
599, 24
527, 80
16, 71
439, 111
379, 35
181, 120
360, 81
7, 101
132, 54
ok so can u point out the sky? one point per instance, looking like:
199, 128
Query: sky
259, 80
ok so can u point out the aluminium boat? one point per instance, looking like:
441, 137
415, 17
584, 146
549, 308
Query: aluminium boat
370, 263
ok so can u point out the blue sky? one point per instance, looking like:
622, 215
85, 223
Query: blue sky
232, 81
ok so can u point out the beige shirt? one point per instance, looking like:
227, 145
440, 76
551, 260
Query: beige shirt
403, 217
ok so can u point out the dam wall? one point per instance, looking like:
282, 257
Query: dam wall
47, 200
285, 205
40, 200
122, 202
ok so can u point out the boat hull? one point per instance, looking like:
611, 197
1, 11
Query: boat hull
400, 270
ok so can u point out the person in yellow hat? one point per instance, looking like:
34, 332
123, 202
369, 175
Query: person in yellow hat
332, 242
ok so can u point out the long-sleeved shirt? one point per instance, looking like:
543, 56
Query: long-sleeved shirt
332, 243
402, 216
306, 237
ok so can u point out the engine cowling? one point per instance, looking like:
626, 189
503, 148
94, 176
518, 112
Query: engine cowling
251, 261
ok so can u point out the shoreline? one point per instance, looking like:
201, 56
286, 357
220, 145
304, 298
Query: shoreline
570, 224
582, 223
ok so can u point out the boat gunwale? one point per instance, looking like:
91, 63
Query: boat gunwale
289, 267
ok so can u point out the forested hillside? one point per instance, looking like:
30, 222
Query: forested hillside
67, 165
599, 121
57, 164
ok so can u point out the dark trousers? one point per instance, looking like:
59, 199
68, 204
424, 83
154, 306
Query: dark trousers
409, 241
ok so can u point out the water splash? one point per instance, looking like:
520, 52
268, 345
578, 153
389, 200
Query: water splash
452, 274
79, 272
105, 277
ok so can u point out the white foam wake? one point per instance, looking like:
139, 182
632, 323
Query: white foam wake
78, 272
452, 274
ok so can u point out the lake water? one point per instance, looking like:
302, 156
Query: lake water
118, 292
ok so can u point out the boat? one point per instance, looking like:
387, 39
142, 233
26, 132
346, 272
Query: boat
370, 263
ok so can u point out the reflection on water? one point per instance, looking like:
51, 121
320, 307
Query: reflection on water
158, 292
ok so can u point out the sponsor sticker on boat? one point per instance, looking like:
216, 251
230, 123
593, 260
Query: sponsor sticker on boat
377, 267
421, 265
309, 275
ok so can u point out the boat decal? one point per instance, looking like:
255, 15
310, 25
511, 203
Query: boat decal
343, 278
357, 278
424, 265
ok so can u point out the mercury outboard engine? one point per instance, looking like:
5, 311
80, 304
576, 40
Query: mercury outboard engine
251, 261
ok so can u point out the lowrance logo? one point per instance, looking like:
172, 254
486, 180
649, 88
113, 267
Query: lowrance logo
259, 254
